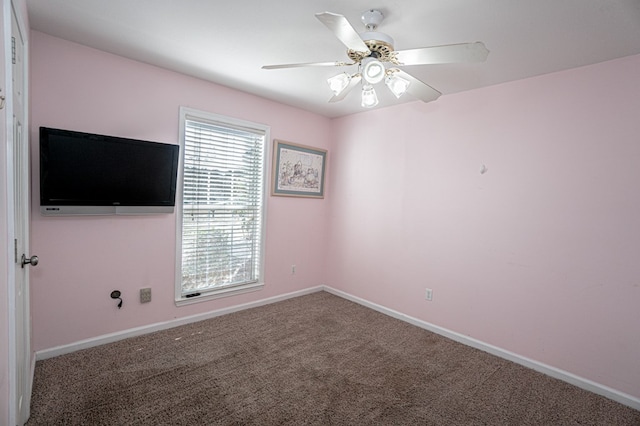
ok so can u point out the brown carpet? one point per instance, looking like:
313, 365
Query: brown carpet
313, 360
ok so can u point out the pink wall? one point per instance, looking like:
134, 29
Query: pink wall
82, 259
539, 255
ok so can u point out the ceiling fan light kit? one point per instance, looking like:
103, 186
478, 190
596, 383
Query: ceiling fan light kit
369, 97
373, 70
372, 50
339, 82
396, 84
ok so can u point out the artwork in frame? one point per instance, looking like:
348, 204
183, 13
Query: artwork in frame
298, 170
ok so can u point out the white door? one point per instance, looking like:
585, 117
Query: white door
23, 261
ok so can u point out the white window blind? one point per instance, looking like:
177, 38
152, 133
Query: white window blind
222, 205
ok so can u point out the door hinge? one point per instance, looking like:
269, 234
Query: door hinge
15, 250
13, 50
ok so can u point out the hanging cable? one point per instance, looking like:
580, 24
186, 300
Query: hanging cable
115, 294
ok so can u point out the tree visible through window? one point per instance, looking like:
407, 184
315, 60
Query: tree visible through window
222, 211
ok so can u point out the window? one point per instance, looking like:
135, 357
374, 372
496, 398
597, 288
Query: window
220, 208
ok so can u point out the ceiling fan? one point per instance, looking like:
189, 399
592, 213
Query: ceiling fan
374, 54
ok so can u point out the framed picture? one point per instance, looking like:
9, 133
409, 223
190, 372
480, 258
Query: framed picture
298, 170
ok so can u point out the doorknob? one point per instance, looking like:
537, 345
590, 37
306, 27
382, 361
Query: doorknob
33, 260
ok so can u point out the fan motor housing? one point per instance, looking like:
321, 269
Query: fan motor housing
380, 44
380, 50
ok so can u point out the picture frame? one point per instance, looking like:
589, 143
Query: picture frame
298, 170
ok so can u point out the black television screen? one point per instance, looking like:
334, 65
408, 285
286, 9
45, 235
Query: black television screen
84, 173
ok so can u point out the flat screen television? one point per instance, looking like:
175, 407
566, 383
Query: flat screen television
89, 174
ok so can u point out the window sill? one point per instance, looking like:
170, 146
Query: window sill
218, 294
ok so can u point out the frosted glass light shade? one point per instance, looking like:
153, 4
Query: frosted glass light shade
397, 84
339, 82
369, 97
373, 70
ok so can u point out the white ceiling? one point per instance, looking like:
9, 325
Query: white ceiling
227, 42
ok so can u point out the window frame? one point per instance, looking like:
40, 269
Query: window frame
221, 120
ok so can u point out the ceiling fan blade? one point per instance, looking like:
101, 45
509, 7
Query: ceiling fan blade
352, 83
309, 64
342, 29
446, 54
419, 89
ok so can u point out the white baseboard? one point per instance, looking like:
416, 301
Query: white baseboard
138, 331
554, 372
557, 373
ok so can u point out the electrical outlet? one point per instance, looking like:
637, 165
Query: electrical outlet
145, 295
428, 294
